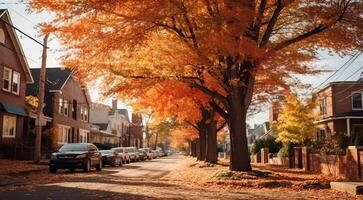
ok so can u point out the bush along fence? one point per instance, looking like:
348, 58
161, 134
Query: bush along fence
348, 166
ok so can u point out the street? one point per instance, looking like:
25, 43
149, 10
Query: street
172, 177
130, 181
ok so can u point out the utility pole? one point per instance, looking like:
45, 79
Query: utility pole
40, 116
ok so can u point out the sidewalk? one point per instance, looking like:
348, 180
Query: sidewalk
13, 172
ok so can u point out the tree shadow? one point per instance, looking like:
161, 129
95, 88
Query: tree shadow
58, 192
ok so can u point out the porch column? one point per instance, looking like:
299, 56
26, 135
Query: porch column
348, 126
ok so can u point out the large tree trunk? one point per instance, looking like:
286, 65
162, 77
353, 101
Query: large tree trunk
202, 141
212, 153
240, 159
194, 149
197, 149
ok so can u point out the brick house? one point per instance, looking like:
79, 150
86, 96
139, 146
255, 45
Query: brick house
340, 109
15, 74
136, 137
67, 104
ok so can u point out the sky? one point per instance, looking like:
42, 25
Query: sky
27, 22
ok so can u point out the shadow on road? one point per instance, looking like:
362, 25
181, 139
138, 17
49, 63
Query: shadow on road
66, 193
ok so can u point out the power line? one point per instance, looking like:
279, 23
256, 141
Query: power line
1, 2
344, 66
22, 32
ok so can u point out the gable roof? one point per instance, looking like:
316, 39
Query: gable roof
123, 112
5, 17
55, 80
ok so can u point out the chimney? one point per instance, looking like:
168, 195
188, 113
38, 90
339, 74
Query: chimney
114, 105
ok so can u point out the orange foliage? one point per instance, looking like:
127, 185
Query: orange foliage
181, 136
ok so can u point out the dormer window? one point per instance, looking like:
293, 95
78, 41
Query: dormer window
2, 36
357, 101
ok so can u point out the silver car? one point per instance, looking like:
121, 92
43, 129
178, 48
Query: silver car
134, 154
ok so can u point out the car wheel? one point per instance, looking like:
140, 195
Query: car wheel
113, 163
87, 167
53, 170
99, 166
120, 162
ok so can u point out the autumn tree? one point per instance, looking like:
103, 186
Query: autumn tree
251, 49
295, 123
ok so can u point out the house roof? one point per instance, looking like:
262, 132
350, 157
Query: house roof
124, 112
5, 17
102, 126
55, 80
340, 83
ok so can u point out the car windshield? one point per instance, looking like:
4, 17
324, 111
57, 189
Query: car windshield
131, 150
73, 147
118, 150
106, 152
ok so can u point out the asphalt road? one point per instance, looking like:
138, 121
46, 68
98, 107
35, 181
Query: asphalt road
130, 181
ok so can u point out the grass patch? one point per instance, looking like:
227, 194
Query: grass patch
233, 175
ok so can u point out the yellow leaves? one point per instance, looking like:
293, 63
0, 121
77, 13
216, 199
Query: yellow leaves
32, 102
295, 123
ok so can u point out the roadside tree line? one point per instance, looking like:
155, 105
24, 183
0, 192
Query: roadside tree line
235, 53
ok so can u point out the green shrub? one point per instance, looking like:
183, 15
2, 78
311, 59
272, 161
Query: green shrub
271, 144
284, 151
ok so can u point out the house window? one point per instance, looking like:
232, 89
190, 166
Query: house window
7, 79
85, 112
81, 113
64, 131
323, 106
357, 101
60, 108
16, 83
321, 134
9, 126
83, 136
2, 36
65, 102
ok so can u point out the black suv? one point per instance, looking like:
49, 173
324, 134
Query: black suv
72, 156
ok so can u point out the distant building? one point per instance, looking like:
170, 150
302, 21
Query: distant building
14, 75
340, 109
111, 123
257, 132
136, 138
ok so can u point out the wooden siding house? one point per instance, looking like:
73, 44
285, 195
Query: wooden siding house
14, 74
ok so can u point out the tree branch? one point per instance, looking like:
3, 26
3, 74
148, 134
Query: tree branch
318, 29
219, 110
211, 93
258, 20
271, 24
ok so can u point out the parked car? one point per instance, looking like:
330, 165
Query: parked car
154, 154
124, 154
148, 152
110, 157
76, 156
134, 154
160, 153
142, 155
